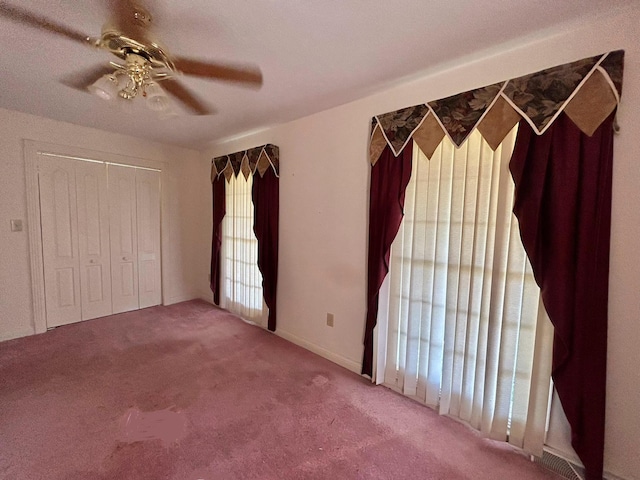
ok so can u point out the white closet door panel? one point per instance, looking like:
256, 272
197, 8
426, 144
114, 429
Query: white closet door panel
58, 210
124, 241
148, 209
93, 239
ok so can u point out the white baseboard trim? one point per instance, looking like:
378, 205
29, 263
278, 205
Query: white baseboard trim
323, 352
209, 300
206, 295
179, 298
4, 336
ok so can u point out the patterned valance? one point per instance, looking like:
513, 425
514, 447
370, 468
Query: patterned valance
587, 91
258, 159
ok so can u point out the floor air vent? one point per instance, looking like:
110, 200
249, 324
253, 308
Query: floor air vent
560, 466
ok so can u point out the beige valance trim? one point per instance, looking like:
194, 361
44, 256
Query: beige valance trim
587, 90
247, 162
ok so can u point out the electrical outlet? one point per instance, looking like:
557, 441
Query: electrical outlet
329, 319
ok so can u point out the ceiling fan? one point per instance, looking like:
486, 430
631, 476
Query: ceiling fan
145, 68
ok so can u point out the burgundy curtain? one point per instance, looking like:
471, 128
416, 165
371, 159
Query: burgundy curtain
563, 204
266, 202
389, 179
219, 211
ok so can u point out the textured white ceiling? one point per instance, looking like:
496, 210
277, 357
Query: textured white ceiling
314, 55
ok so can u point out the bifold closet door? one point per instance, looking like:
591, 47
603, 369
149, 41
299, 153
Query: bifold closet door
135, 238
58, 214
148, 209
93, 239
124, 238
75, 240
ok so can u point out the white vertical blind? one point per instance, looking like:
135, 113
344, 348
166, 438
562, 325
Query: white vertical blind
467, 333
242, 280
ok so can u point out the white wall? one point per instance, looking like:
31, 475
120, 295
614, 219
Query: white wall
323, 210
180, 206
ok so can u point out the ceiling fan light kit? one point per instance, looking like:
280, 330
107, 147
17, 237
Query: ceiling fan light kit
155, 97
127, 83
146, 64
115, 87
106, 87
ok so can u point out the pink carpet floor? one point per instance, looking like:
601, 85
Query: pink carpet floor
190, 392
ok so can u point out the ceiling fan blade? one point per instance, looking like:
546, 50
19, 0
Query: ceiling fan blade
23, 16
81, 80
131, 18
189, 99
121, 11
249, 75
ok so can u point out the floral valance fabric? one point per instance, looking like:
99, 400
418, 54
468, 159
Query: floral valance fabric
587, 91
249, 162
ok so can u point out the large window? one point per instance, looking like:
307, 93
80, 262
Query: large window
467, 333
241, 278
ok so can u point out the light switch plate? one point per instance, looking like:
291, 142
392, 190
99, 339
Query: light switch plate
329, 319
16, 225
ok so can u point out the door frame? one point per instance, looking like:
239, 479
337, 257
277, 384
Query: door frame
33, 150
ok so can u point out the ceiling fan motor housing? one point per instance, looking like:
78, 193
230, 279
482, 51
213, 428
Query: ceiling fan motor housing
121, 46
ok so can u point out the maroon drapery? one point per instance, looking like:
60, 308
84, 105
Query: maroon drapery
266, 202
389, 179
563, 204
219, 211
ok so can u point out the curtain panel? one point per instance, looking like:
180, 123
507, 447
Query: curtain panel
563, 204
219, 211
389, 180
266, 198
581, 98
264, 164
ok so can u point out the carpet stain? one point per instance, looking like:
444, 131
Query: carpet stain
320, 380
165, 425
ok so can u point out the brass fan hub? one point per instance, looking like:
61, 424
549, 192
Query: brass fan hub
121, 46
